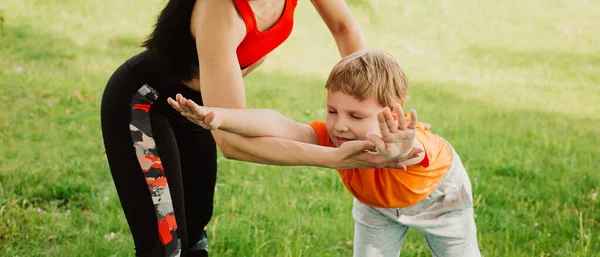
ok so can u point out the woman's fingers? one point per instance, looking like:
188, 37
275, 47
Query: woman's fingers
378, 142
371, 159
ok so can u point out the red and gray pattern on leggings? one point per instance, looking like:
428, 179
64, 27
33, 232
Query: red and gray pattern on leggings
149, 159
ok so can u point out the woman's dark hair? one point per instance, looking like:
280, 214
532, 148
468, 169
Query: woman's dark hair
171, 43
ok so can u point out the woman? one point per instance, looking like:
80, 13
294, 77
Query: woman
202, 49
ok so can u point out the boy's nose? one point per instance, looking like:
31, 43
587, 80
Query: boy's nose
340, 127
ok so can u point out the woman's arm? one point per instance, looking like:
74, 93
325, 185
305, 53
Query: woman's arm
283, 152
342, 24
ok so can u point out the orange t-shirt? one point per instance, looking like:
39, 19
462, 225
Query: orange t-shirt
395, 188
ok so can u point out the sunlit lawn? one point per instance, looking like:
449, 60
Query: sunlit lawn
513, 85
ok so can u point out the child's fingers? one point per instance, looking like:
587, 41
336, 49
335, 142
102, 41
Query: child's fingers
174, 104
187, 115
389, 120
181, 100
178, 98
383, 127
400, 113
378, 142
195, 108
412, 124
189, 105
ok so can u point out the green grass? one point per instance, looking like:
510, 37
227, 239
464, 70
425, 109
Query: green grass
513, 85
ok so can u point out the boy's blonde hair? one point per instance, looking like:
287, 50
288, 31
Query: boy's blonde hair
369, 73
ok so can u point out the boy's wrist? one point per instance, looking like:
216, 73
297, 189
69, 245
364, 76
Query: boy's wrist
408, 151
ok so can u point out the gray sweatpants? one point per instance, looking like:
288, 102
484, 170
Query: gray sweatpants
445, 217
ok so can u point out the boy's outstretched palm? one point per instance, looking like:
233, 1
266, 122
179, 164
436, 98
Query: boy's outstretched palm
397, 137
200, 115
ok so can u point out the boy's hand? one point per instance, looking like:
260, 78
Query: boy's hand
200, 115
397, 137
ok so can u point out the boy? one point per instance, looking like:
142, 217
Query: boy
431, 192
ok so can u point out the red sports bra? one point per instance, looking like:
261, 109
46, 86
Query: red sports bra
257, 43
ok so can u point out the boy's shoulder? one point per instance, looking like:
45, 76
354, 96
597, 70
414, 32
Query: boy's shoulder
322, 134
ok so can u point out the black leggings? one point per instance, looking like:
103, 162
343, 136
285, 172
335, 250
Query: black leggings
163, 166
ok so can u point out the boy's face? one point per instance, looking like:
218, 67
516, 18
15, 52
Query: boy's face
349, 119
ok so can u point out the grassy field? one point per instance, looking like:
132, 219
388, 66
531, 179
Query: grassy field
513, 85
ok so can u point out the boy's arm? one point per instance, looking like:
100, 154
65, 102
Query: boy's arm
245, 122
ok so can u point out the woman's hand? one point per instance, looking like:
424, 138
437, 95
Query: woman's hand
360, 154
